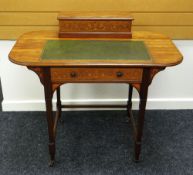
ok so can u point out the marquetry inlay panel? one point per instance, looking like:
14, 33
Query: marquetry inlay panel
95, 26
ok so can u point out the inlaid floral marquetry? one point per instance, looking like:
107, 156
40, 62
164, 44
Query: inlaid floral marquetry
96, 75
90, 24
95, 26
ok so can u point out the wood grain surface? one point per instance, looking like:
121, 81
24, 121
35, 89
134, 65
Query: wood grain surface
28, 49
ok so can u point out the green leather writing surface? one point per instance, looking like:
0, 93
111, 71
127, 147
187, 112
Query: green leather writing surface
94, 50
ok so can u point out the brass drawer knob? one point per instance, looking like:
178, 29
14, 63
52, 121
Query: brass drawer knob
120, 74
73, 74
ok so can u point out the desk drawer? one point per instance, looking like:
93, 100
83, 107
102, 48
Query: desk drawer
96, 74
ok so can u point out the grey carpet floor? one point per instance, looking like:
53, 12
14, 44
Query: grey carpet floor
96, 143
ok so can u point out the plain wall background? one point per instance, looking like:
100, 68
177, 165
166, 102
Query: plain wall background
170, 17
170, 89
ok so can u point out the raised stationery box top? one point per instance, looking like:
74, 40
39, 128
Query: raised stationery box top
95, 16
95, 24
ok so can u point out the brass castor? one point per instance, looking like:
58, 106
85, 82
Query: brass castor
137, 160
51, 163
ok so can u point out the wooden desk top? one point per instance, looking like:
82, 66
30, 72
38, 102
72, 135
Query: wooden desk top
28, 51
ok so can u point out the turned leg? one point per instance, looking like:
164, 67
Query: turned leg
50, 120
142, 106
58, 102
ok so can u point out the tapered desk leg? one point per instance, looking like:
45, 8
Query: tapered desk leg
59, 106
142, 105
50, 120
129, 102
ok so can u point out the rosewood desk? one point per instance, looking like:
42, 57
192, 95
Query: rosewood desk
58, 61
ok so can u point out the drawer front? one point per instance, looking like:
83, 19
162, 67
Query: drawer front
96, 75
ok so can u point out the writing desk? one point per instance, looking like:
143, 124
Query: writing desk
57, 61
